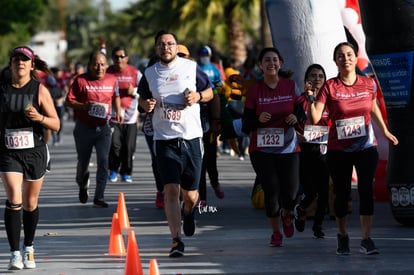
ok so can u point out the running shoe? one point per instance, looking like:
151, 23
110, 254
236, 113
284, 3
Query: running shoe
317, 232
300, 218
343, 245
288, 228
28, 257
368, 247
127, 178
15, 262
276, 239
218, 192
113, 176
159, 200
189, 223
177, 248
99, 203
83, 195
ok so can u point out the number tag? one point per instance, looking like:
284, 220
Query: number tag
350, 127
19, 138
99, 110
316, 134
172, 112
270, 137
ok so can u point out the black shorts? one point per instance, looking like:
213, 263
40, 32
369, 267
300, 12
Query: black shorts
31, 162
179, 161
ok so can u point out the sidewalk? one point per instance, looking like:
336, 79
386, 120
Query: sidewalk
231, 236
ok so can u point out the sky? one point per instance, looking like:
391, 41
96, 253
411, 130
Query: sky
119, 4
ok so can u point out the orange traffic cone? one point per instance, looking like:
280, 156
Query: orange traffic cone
153, 268
116, 241
122, 212
133, 262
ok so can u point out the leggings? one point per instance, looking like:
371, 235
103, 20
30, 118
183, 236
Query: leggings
314, 178
279, 177
340, 166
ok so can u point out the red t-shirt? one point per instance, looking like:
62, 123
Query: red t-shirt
275, 136
315, 133
349, 108
129, 75
100, 92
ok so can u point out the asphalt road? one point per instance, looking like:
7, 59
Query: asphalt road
231, 236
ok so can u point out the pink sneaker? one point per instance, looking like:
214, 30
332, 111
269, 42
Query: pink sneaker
288, 228
159, 200
276, 239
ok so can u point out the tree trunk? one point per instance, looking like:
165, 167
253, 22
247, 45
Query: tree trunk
266, 36
236, 35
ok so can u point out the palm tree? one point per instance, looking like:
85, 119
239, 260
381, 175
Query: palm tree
221, 23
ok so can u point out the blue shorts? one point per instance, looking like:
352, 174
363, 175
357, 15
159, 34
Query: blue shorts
179, 161
31, 163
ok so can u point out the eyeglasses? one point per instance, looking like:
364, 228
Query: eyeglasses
168, 45
119, 56
316, 76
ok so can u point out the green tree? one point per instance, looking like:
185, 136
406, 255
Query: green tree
230, 26
18, 22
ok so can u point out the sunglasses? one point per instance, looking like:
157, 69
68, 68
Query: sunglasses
119, 56
20, 57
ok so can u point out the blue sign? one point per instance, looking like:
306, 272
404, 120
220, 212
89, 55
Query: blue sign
394, 72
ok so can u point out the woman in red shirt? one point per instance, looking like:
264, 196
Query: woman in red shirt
269, 118
351, 102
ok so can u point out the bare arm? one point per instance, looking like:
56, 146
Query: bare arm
147, 104
315, 110
376, 114
117, 105
49, 119
202, 96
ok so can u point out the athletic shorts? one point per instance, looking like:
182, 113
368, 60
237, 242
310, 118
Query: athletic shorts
179, 161
31, 163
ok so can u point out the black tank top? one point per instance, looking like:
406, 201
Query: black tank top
13, 102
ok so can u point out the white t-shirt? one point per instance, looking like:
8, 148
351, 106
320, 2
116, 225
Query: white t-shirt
172, 117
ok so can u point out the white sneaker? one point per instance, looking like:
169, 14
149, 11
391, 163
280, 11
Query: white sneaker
15, 261
28, 257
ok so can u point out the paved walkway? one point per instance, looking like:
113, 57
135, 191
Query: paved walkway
231, 237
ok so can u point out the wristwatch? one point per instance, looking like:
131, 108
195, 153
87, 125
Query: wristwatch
201, 96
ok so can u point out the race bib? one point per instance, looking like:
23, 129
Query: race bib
19, 138
270, 137
316, 134
99, 110
172, 112
350, 127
